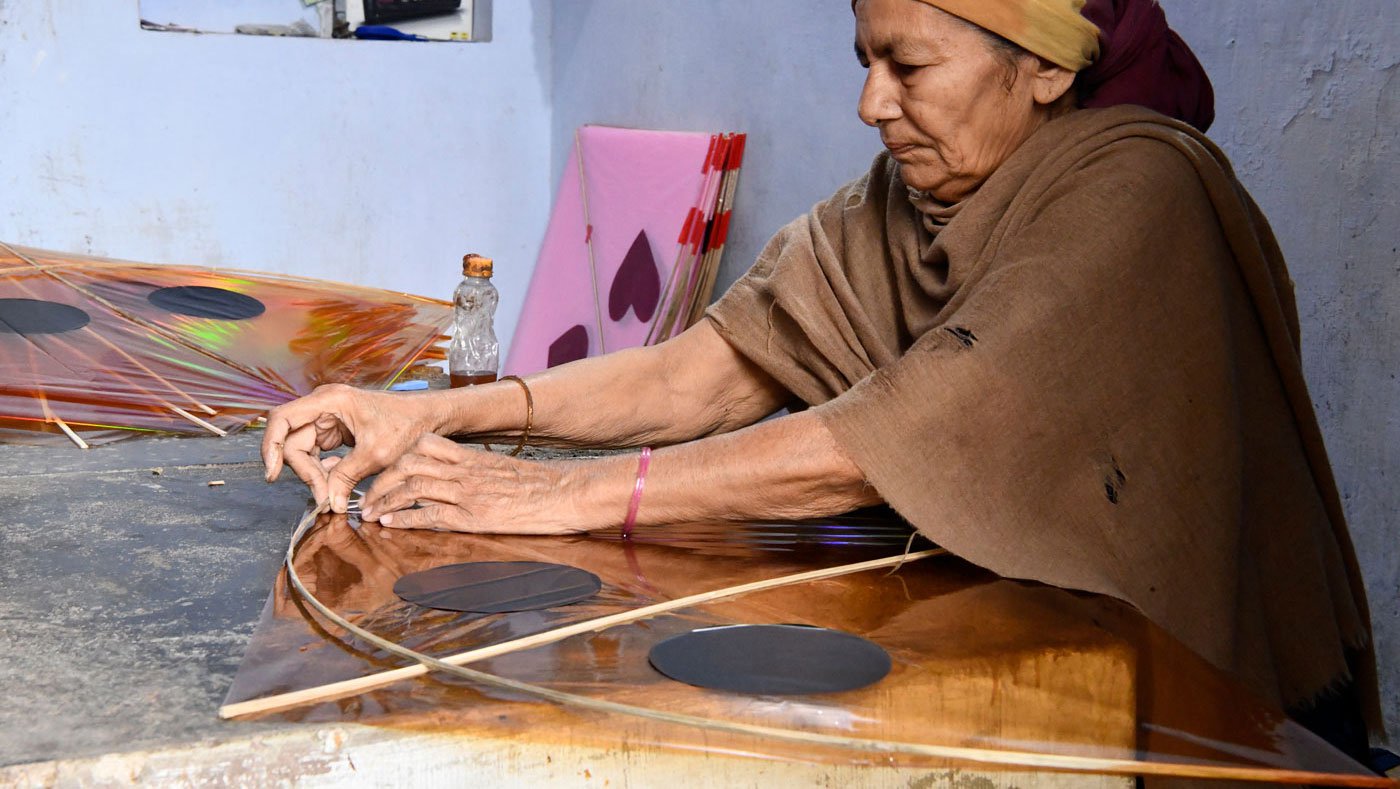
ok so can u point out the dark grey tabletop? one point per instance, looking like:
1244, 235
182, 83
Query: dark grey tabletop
128, 589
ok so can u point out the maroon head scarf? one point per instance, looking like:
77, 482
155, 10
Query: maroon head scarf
1143, 61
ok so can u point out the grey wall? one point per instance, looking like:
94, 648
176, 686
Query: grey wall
1308, 110
1309, 100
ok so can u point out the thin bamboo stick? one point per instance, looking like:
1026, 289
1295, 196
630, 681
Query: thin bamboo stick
588, 241
44, 404
186, 414
68, 431
682, 303
172, 387
670, 300
708, 270
361, 684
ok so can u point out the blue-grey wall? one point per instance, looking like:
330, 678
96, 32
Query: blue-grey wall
378, 163
1309, 101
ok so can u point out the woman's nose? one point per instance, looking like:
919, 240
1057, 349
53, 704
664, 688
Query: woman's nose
879, 99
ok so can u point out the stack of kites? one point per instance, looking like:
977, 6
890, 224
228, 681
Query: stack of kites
633, 246
94, 350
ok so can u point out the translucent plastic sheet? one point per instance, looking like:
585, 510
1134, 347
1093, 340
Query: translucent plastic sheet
140, 365
986, 670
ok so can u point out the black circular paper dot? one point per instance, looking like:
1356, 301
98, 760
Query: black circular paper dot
498, 587
771, 659
199, 301
32, 316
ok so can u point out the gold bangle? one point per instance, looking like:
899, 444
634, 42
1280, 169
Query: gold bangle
529, 413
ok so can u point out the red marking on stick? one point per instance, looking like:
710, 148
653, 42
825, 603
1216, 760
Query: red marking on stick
721, 152
588, 235
736, 152
689, 221
697, 233
721, 233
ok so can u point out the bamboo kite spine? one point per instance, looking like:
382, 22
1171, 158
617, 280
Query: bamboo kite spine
172, 387
588, 241
48, 411
68, 431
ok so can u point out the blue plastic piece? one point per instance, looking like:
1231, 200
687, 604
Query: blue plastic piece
385, 33
409, 386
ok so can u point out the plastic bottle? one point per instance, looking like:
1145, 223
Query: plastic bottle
474, 355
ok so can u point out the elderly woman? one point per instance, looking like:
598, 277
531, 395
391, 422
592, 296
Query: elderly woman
1060, 342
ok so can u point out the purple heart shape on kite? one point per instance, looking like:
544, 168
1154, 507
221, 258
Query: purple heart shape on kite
637, 284
571, 346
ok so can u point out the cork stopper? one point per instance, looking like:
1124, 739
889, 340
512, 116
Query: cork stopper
474, 265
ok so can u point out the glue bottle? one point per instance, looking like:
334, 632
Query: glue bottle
474, 355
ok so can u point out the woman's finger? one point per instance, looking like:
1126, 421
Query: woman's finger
414, 491
448, 517
431, 445
278, 426
345, 474
308, 468
433, 516
330, 432
282, 422
387, 495
410, 465
288, 418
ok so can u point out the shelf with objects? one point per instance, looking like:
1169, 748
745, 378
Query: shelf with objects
460, 21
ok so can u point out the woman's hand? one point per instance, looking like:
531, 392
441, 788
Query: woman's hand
460, 489
381, 426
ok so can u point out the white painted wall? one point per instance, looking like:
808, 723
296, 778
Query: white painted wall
378, 163
783, 71
1308, 105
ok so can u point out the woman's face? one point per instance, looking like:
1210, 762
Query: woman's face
948, 107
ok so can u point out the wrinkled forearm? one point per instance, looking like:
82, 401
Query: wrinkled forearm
694, 385
785, 468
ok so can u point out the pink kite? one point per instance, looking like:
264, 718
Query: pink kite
639, 217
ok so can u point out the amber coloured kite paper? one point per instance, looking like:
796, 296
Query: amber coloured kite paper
985, 670
93, 350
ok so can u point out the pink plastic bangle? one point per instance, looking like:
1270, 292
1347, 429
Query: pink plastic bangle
636, 502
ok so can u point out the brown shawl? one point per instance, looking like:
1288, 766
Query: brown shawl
1089, 378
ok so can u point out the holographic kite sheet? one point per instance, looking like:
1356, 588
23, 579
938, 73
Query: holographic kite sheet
95, 350
987, 673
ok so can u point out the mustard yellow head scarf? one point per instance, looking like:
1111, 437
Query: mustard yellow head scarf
1052, 29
